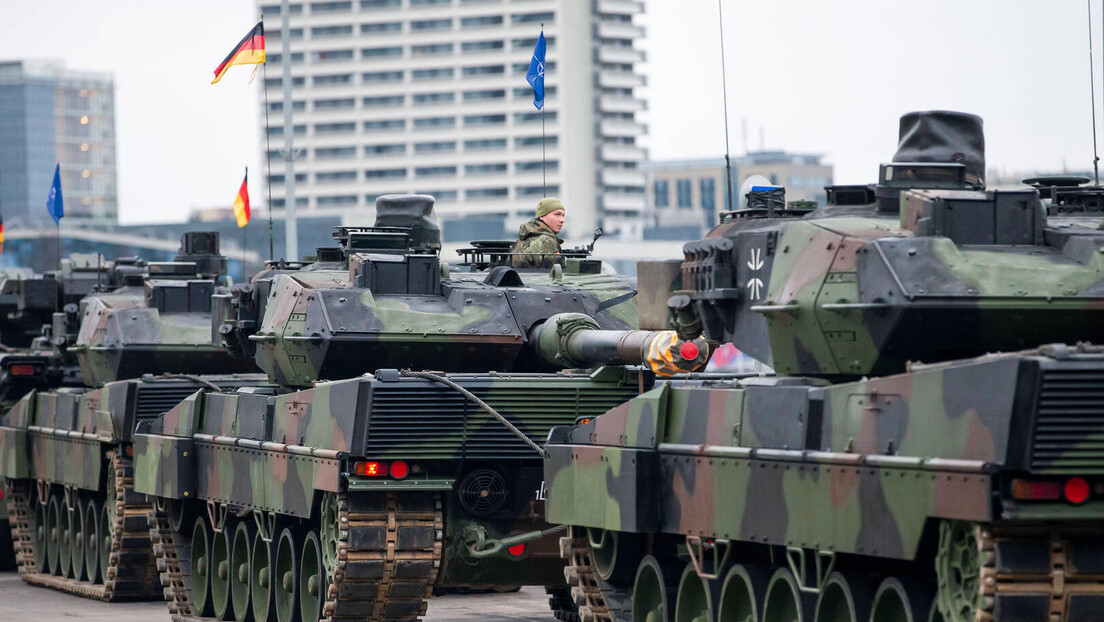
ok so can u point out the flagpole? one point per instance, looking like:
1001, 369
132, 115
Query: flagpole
268, 151
544, 147
57, 240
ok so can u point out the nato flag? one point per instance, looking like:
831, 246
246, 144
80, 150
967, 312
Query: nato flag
54, 204
535, 76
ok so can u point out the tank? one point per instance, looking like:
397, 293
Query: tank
123, 347
929, 448
360, 483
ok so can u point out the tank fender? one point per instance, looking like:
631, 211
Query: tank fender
164, 466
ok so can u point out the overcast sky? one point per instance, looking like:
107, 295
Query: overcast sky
821, 77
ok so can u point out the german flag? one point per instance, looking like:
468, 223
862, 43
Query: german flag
241, 203
249, 51
1, 235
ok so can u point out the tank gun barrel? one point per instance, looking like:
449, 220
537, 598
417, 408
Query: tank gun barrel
574, 340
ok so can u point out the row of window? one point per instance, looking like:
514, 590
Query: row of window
441, 196
684, 191
344, 6
398, 75
470, 170
390, 51
443, 146
389, 101
381, 125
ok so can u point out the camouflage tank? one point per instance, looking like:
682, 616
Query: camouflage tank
76, 523
356, 498
893, 469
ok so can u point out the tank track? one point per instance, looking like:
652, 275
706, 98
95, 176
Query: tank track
130, 575
387, 560
596, 599
562, 604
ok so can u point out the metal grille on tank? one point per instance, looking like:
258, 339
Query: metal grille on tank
1069, 430
422, 421
154, 399
482, 492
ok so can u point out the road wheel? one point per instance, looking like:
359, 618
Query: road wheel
76, 540
312, 579
899, 601
201, 568
260, 579
53, 534
107, 534
240, 549
65, 529
784, 600
653, 592
844, 598
695, 598
220, 573
41, 537
92, 541
742, 594
286, 576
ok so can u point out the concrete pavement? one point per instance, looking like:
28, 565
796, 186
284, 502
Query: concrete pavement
20, 602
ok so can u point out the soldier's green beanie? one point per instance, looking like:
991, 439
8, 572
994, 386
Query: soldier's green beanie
548, 205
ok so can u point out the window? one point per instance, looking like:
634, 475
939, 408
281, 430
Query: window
384, 101
685, 198
662, 192
274, 9
428, 2
435, 147
381, 76
334, 128
279, 106
484, 119
380, 27
336, 200
434, 171
537, 191
386, 52
535, 141
529, 18
278, 130
533, 117
329, 56
385, 173
440, 195
526, 92
333, 79
279, 179
431, 74
485, 169
524, 67
332, 177
385, 124
531, 42
481, 46
334, 104
708, 195
296, 57
431, 24
438, 122
434, 98
300, 201
275, 83
480, 21
487, 70
487, 193
373, 150
485, 94
536, 165
429, 49
379, 4
331, 7
484, 144
276, 33
335, 152
320, 32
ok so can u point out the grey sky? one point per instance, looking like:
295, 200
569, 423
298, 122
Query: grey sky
818, 76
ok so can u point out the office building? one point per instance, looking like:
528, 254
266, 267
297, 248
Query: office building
51, 115
685, 196
430, 96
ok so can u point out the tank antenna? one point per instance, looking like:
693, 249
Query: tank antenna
724, 91
1092, 96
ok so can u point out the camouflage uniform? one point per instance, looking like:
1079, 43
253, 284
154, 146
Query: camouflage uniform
536, 237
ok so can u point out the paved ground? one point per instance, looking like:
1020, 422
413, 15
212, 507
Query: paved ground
20, 602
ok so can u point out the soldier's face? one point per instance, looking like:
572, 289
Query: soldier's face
554, 220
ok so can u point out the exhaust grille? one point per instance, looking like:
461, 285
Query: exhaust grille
1069, 428
424, 420
154, 399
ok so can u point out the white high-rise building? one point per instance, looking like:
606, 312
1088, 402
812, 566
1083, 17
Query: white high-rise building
429, 96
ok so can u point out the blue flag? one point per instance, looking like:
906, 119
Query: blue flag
54, 204
535, 76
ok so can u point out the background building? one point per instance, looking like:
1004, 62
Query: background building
49, 115
685, 196
430, 96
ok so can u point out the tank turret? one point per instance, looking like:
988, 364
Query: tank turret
383, 298
931, 267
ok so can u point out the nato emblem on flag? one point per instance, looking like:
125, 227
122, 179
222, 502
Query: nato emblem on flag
54, 204
535, 75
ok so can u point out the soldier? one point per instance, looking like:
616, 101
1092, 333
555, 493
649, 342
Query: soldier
538, 236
